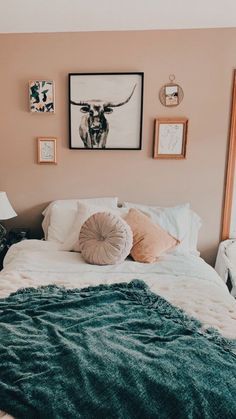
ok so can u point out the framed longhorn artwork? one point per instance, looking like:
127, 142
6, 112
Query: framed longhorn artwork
105, 111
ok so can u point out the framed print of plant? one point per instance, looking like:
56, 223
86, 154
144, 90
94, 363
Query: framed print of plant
42, 96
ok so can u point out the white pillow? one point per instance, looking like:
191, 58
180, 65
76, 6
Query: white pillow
179, 221
195, 225
85, 211
61, 220
59, 216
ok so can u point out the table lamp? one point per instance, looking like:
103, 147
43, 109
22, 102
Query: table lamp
6, 212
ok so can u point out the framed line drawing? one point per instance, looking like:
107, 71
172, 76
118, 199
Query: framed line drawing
42, 96
170, 139
47, 152
105, 111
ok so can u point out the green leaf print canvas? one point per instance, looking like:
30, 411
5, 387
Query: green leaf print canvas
41, 96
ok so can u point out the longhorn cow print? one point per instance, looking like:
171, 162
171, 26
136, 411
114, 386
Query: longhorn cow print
94, 126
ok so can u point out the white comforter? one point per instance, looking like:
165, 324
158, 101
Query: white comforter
186, 281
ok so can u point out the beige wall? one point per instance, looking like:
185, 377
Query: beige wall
202, 61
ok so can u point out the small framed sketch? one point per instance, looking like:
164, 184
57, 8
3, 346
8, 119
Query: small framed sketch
42, 96
47, 152
170, 138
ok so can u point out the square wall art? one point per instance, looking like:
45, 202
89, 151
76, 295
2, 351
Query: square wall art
105, 111
41, 96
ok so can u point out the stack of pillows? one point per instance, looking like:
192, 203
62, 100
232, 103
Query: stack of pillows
106, 234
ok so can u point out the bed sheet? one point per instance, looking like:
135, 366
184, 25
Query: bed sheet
185, 281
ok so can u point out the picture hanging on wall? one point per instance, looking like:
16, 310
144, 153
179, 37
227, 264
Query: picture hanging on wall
47, 152
105, 111
170, 140
42, 96
171, 94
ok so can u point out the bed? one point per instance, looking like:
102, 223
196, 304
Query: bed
182, 285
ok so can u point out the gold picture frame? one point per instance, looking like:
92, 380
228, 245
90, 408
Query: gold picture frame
47, 150
171, 94
170, 139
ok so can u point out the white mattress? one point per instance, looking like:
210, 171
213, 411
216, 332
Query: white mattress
185, 281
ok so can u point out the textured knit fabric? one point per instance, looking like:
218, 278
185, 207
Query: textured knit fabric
115, 351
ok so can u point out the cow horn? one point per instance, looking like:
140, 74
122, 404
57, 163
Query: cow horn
79, 103
115, 105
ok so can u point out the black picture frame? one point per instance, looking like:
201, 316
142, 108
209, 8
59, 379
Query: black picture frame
92, 99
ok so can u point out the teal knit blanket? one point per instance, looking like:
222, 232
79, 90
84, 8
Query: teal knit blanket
110, 352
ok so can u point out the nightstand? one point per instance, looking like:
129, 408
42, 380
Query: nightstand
17, 235
3, 250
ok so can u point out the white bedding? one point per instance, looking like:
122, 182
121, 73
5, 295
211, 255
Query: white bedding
186, 281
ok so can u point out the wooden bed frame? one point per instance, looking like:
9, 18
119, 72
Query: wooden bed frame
230, 176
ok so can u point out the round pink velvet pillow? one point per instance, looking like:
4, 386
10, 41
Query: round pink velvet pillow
105, 239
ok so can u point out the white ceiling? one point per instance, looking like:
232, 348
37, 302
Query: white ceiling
105, 15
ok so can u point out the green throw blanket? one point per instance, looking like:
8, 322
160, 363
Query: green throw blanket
107, 352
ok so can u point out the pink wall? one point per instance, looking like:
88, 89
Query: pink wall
202, 60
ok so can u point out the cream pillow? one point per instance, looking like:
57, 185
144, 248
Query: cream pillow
59, 215
105, 239
84, 211
150, 241
61, 221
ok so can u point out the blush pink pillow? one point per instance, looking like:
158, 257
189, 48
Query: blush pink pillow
149, 240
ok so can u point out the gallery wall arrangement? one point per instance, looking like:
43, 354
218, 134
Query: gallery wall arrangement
132, 175
105, 113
